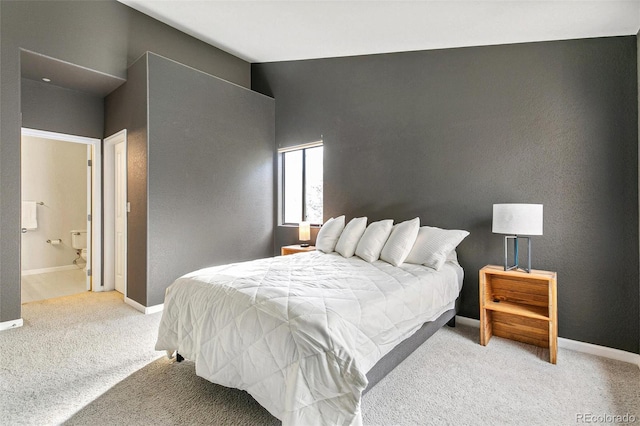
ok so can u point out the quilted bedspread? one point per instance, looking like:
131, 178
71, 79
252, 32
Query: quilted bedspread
300, 332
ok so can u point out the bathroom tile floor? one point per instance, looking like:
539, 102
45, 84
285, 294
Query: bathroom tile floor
53, 284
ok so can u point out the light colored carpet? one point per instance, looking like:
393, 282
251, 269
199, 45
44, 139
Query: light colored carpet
89, 360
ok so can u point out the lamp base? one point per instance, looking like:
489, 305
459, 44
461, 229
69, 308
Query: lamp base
516, 265
304, 244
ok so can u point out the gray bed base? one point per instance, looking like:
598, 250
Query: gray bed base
404, 349
407, 346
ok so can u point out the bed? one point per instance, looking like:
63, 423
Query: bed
306, 334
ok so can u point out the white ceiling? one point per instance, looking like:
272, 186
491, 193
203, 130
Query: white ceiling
266, 31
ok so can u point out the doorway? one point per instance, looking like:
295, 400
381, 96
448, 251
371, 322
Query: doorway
116, 208
61, 214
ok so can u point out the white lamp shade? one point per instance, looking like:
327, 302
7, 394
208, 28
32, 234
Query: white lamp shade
304, 231
517, 219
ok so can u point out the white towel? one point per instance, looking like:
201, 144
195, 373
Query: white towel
29, 215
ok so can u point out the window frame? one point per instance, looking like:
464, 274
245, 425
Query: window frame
282, 170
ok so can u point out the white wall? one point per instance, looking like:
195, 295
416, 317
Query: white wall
55, 173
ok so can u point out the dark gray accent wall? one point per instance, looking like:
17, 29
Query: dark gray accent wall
211, 150
200, 172
101, 36
126, 108
55, 109
445, 134
11, 303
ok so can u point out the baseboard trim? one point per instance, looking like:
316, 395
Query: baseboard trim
467, 321
144, 309
153, 309
52, 269
575, 345
8, 325
602, 351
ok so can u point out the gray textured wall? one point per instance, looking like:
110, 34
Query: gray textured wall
52, 108
126, 108
211, 150
445, 134
11, 304
104, 36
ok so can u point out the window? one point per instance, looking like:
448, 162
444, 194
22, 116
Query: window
302, 184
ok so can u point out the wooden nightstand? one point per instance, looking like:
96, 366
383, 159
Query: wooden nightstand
296, 248
519, 306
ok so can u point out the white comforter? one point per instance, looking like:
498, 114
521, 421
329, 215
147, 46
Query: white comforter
300, 332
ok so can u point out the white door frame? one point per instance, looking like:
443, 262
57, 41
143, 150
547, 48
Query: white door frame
109, 211
94, 232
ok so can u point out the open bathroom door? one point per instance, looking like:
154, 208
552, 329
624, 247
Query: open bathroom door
89, 205
94, 217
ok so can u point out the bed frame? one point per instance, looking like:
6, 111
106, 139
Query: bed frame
404, 349
407, 346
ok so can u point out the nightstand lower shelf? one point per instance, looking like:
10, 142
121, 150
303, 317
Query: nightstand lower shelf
516, 327
529, 311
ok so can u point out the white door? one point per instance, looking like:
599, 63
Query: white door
120, 215
89, 211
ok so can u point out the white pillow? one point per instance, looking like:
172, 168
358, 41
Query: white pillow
400, 242
433, 245
351, 236
329, 234
373, 240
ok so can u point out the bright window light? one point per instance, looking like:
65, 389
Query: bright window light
302, 185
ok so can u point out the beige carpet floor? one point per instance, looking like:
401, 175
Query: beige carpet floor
88, 359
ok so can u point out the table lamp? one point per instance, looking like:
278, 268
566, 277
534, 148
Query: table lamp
517, 221
304, 233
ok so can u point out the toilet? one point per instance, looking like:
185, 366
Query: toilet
79, 242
